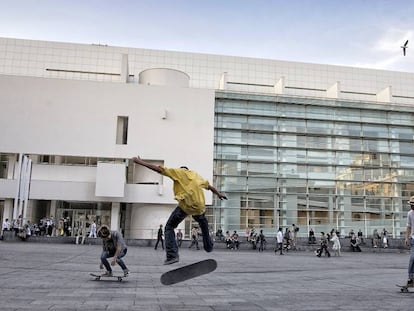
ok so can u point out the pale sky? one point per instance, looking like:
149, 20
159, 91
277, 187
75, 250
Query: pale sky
361, 33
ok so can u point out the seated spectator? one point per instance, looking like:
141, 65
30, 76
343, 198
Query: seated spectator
355, 243
219, 234
229, 241
235, 238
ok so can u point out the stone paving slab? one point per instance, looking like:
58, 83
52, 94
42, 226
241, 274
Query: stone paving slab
37, 276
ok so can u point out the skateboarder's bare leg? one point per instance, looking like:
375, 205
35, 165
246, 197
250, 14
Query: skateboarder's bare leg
171, 247
202, 221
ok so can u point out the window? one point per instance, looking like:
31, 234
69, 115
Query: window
122, 131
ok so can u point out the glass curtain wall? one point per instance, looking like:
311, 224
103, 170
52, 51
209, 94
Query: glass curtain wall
316, 163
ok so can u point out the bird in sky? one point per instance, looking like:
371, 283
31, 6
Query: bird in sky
404, 47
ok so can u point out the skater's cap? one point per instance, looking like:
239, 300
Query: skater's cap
411, 201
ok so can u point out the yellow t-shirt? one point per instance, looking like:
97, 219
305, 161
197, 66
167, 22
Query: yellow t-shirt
188, 189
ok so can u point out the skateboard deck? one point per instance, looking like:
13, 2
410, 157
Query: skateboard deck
403, 288
99, 277
188, 272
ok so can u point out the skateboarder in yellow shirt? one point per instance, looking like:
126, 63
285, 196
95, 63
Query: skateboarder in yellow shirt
188, 191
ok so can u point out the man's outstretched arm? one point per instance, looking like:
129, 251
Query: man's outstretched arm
151, 166
216, 192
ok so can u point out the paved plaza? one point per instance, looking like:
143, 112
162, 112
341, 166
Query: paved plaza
47, 276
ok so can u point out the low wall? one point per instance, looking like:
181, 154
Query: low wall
302, 243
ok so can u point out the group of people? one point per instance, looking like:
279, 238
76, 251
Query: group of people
20, 229
117, 248
329, 240
380, 239
232, 240
188, 192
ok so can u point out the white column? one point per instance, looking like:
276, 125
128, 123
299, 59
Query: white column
146, 219
124, 68
280, 86
115, 213
223, 81
334, 91
385, 95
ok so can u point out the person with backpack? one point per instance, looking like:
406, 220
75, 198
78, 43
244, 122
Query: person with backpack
188, 191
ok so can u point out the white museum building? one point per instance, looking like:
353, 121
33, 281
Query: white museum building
315, 145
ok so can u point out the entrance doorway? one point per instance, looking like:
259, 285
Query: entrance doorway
76, 216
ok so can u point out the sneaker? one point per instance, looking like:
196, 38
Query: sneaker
410, 283
171, 261
107, 273
126, 272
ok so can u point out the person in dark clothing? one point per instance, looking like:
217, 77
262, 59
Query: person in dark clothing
160, 236
312, 239
261, 240
179, 237
323, 246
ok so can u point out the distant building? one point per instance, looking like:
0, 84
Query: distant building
318, 146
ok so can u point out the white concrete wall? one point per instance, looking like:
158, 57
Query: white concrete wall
79, 61
79, 118
63, 173
67, 117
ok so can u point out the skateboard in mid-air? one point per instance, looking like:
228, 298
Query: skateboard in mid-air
188, 272
403, 288
99, 277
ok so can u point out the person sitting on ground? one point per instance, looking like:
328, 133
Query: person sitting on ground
235, 239
229, 241
219, 234
355, 243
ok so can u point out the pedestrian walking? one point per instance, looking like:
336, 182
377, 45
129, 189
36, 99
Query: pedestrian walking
194, 238
92, 232
261, 240
279, 239
160, 236
336, 247
323, 246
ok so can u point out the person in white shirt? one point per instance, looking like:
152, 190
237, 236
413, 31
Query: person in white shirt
92, 233
409, 241
279, 238
5, 227
336, 244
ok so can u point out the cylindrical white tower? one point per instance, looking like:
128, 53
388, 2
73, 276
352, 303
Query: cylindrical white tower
164, 77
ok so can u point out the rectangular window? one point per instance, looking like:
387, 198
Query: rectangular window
122, 130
